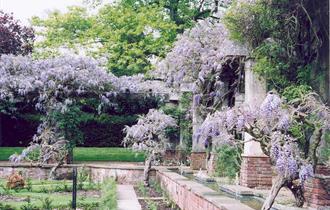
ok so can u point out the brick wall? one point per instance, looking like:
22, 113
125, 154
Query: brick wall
256, 172
198, 160
174, 156
190, 195
317, 189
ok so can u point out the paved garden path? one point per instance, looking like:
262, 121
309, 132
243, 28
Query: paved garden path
127, 199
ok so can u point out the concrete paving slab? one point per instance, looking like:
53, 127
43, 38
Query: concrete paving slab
127, 199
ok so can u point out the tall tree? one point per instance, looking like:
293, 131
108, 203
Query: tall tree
129, 38
15, 38
183, 12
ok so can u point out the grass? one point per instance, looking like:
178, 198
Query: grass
88, 154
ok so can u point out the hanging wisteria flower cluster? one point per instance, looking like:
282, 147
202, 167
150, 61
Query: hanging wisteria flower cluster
270, 125
205, 56
55, 85
149, 134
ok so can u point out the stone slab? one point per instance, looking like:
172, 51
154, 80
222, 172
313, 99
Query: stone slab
127, 199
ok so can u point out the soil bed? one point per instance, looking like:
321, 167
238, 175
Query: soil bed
152, 199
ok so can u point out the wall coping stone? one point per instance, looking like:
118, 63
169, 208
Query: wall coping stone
212, 196
254, 156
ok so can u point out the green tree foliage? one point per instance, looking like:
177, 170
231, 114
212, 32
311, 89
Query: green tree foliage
129, 38
183, 12
285, 36
228, 161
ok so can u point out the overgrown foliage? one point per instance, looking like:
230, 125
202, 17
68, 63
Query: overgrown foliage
286, 38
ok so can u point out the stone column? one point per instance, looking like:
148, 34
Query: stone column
198, 154
256, 170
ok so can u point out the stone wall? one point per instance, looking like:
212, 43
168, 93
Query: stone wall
122, 174
256, 172
190, 195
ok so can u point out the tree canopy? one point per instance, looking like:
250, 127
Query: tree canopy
128, 38
15, 38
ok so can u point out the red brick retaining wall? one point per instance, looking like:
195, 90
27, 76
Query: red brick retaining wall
198, 160
190, 195
317, 189
256, 171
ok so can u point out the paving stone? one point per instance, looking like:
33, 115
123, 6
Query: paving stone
127, 199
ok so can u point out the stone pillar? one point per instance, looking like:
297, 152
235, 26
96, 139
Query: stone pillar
198, 154
256, 169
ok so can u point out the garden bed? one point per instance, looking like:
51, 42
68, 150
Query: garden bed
153, 198
50, 194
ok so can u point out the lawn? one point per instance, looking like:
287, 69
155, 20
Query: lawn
88, 154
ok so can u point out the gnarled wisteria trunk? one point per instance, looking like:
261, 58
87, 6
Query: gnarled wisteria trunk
147, 168
279, 183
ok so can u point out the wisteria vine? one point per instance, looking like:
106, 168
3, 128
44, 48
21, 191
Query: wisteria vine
270, 125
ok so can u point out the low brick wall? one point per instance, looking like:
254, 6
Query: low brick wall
317, 189
190, 195
256, 171
198, 160
122, 174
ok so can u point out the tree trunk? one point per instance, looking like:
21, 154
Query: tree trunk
279, 183
147, 167
69, 159
298, 193
52, 173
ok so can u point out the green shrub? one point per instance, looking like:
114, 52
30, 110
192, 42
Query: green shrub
29, 184
5, 207
46, 203
83, 176
142, 189
29, 205
109, 195
228, 161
